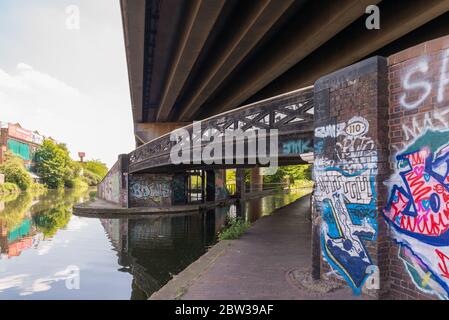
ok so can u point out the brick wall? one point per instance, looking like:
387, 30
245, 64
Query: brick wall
350, 161
418, 120
385, 121
114, 187
150, 190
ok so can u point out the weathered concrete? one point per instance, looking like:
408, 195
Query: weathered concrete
256, 266
102, 208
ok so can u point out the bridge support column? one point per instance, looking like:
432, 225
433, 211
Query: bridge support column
350, 165
210, 185
240, 183
256, 180
145, 132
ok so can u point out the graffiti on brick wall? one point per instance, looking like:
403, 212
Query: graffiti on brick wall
418, 79
149, 190
296, 146
346, 196
109, 188
418, 205
418, 210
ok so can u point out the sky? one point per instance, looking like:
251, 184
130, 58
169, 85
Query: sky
67, 82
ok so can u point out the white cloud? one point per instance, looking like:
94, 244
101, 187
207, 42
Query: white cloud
42, 102
70, 85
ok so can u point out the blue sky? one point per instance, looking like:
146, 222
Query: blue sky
68, 84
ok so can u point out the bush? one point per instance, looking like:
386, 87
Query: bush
234, 229
15, 172
37, 188
9, 188
91, 178
96, 167
79, 183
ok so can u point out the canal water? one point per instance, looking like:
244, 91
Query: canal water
48, 253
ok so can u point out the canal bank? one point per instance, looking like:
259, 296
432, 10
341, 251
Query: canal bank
270, 261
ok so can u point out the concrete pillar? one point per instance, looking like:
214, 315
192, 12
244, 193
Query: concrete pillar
351, 136
210, 185
180, 189
145, 132
221, 193
240, 183
256, 180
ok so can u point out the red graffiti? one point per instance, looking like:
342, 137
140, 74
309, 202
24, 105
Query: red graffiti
422, 204
443, 263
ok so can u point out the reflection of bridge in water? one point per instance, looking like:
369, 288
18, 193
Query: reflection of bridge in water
155, 249
152, 250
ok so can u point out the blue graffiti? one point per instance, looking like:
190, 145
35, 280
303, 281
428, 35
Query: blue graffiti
296, 146
347, 226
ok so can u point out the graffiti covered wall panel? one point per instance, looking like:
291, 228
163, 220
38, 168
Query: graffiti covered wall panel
346, 194
417, 210
146, 190
109, 188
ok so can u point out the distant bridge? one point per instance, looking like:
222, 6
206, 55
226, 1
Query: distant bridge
290, 114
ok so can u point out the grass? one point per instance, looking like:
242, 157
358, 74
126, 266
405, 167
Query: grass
234, 229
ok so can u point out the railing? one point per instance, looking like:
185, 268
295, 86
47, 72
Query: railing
290, 114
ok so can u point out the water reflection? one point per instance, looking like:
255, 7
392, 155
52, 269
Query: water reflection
155, 249
40, 240
26, 219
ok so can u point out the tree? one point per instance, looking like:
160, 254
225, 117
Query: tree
15, 172
96, 167
54, 165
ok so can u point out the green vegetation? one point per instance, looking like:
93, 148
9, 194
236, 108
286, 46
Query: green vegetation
294, 173
8, 188
15, 210
234, 229
16, 173
54, 165
58, 170
96, 167
53, 219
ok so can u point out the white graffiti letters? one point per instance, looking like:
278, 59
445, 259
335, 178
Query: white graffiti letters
408, 84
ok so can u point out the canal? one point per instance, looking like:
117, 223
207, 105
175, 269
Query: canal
48, 253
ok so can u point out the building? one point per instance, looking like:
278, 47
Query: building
20, 141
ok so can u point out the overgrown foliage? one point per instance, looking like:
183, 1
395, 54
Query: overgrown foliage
96, 167
293, 172
8, 188
15, 172
233, 229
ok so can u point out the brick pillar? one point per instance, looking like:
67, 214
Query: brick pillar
123, 160
210, 185
351, 133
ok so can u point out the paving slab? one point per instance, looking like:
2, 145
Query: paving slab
257, 266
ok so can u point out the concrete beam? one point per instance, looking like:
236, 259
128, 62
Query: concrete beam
396, 21
320, 22
148, 131
133, 18
264, 14
201, 17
